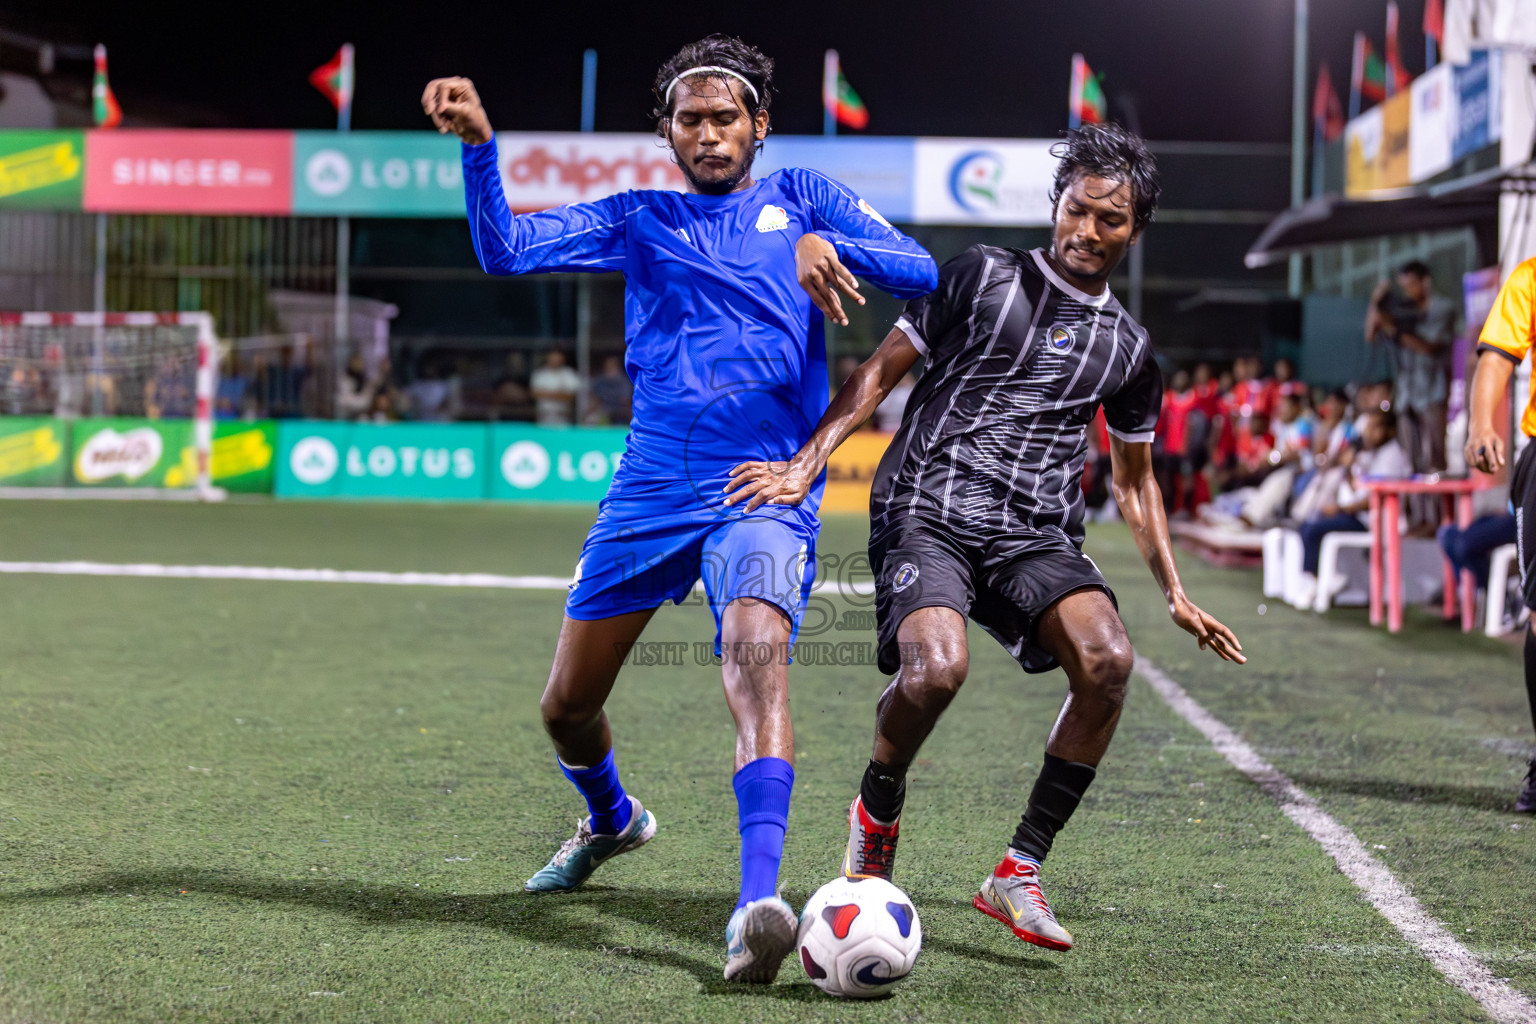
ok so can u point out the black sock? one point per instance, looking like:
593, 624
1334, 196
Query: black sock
1530, 671
1057, 791
884, 791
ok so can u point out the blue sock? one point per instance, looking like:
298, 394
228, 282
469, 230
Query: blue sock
606, 800
762, 800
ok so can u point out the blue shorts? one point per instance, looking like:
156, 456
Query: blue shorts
642, 553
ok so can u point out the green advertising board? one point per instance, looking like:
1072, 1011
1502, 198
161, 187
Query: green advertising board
42, 169
381, 174
132, 453
427, 461
243, 455
34, 451
571, 464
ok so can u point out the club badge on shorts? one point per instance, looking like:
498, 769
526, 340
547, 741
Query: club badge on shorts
906, 575
1060, 336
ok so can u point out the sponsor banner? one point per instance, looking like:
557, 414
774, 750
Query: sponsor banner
1376, 148
570, 464
983, 181
132, 453
851, 471
877, 170
428, 461
1362, 145
41, 170
243, 455
1478, 116
137, 170
377, 174
544, 169
33, 451
1431, 121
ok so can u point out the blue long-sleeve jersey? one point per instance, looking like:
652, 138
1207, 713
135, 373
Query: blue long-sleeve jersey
726, 351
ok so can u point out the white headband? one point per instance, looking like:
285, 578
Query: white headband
667, 96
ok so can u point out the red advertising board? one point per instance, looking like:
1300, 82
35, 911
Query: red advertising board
154, 171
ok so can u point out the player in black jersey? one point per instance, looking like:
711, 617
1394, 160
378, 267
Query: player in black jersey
977, 507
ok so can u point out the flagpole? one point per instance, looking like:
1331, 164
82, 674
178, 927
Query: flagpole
1356, 73
1075, 90
584, 281
1298, 134
829, 68
341, 329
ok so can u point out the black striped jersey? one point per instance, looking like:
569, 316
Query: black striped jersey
995, 434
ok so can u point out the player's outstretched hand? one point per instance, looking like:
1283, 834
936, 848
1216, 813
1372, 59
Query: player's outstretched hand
769, 483
1207, 630
1485, 450
454, 106
823, 275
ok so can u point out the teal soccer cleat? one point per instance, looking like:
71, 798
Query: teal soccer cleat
581, 854
757, 939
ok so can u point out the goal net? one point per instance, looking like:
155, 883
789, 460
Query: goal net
156, 366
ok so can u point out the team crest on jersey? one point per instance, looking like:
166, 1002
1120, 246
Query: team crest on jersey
773, 218
1060, 337
905, 576
871, 211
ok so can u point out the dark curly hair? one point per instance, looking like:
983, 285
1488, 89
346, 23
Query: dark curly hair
723, 51
1109, 151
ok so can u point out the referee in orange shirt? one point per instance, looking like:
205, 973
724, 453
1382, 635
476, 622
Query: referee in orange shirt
1507, 336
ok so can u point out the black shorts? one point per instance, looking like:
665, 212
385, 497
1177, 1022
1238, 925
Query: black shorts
1522, 495
1005, 584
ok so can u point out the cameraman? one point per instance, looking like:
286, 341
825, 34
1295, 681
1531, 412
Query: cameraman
1421, 325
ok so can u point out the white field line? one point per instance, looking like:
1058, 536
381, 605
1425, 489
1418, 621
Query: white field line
282, 575
1391, 898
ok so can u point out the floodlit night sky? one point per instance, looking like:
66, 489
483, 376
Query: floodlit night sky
1181, 69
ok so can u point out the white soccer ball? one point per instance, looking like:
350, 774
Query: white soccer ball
858, 937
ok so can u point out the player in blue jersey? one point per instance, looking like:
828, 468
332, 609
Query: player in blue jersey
728, 287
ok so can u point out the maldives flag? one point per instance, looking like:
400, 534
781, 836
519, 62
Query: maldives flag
1086, 103
838, 97
334, 79
103, 104
1368, 76
1397, 77
1327, 111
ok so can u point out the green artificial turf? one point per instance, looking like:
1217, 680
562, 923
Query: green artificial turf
251, 801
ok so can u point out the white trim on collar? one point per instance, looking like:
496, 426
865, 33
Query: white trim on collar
1057, 280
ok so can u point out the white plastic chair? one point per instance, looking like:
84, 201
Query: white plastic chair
1328, 563
1499, 564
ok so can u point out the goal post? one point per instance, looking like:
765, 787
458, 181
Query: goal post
154, 366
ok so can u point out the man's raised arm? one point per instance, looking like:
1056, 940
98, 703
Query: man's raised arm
579, 237
788, 483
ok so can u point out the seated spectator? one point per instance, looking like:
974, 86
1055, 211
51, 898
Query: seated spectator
384, 408
888, 413
612, 394
433, 397
171, 392
1492, 527
229, 399
1379, 456
555, 387
1170, 450
1290, 454
356, 389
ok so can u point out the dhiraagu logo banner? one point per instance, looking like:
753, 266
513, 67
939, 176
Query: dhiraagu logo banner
393, 174
571, 464
34, 451
424, 461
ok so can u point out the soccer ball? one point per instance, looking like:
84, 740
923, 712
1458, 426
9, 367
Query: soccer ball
858, 937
